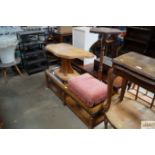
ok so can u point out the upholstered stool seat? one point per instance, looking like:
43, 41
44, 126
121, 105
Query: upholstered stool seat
87, 88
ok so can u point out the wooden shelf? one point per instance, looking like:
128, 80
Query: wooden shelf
30, 62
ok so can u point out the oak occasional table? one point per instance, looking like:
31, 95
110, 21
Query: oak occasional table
124, 112
67, 52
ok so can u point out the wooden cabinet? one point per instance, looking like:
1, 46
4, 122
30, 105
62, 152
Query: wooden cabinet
137, 39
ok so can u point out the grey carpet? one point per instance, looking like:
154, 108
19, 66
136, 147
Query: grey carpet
26, 103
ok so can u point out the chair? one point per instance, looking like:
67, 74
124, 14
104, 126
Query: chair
7, 54
125, 113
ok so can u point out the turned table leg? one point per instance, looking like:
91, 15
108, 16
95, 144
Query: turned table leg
66, 66
124, 84
65, 72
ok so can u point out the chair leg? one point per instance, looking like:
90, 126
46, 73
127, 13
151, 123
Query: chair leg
152, 101
18, 70
106, 124
91, 123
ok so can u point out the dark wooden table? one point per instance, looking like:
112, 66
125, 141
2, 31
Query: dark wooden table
139, 69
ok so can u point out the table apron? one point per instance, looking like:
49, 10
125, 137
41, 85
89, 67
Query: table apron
136, 78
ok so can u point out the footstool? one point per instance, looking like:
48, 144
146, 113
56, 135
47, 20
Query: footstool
91, 94
87, 88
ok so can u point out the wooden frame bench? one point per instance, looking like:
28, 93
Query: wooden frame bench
90, 116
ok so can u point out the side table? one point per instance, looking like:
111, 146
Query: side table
105, 32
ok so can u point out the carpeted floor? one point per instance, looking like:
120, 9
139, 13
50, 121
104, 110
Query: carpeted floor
25, 102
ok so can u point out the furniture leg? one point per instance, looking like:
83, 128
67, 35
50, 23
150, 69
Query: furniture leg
106, 123
103, 38
133, 86
63, 97
137, 93
91, 123
124, 84
66, 66
129, 85
5, 74
152, 101
146, 92
18, 70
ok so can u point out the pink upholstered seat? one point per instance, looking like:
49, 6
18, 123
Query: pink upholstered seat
90, 90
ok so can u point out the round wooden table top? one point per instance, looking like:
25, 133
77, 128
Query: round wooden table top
67, 51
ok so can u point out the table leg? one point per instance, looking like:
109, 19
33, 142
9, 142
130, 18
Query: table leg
137, 92
18, 70
66, 66
124, 84
133, 86
65, 72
